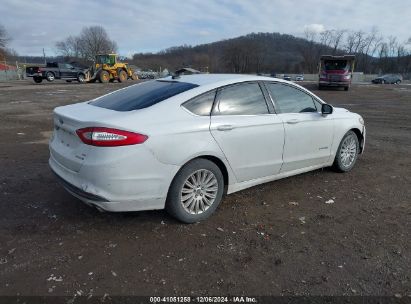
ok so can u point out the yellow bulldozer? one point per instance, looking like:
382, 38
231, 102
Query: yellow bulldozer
107, 68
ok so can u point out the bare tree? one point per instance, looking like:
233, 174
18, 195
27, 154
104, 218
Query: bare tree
309, 52
95, 40
392, 45
354, 42
237, 57
4, 38
92, 40
360, 42
370, 45
336, 38
70, 47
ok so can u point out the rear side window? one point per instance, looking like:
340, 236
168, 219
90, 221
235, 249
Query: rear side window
142, 95
241, 99
201, 105
291, 100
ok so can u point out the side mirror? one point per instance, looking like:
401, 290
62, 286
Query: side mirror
326, 109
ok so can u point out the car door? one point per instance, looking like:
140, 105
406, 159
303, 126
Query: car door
308, 133
71, 71
64, 70
249, 134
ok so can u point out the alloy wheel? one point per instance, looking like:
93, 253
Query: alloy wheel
199, 191
348, 151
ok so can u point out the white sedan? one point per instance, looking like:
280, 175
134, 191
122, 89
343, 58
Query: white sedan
181, 143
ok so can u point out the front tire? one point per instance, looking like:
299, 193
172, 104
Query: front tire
347, 153
103, 76
37, 79
122, 75
81, 78
196, 191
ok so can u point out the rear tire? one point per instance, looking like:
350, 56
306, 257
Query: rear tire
50, 76
37, 79
347, 153
398, 82
103, 76
122, 75
196, 191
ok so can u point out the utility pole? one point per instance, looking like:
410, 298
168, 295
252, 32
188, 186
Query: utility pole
44, 56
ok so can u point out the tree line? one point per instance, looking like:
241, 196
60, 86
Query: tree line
281, 53
374, 52
252, 53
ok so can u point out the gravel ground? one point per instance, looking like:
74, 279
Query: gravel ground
280, 238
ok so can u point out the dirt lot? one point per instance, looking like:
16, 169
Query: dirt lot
280, 238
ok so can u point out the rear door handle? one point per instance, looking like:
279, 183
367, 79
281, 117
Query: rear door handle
293, 121
225, 127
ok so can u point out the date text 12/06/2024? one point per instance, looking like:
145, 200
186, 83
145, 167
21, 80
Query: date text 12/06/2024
239, 299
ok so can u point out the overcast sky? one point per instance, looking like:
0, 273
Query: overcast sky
153, 25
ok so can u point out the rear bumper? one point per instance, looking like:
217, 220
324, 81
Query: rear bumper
34, 75
326, 83
117, 183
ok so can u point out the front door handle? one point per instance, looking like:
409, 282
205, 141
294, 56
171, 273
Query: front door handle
293, 121
225, 127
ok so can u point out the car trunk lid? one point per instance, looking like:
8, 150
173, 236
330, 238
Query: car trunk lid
66, 147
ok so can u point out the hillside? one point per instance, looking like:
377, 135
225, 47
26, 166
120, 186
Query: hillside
253, 53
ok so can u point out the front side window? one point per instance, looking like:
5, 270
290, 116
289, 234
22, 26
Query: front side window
241, 99
142, 95
201, 105
290, 100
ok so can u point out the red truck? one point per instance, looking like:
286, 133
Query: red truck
336, 71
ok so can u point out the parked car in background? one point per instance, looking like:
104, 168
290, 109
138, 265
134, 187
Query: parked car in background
287, 77
55, 70
180, 143
388, 78
299, 78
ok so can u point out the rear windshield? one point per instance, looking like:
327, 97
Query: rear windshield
142, 95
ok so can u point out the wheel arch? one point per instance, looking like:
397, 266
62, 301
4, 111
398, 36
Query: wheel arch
220, 164
217, 161
360, 137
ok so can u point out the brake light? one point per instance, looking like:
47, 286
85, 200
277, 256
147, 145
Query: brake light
108, 137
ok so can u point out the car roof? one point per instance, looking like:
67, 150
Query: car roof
210, 79
207, 82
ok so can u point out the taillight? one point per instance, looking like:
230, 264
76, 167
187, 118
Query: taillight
108, 137
39, 70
